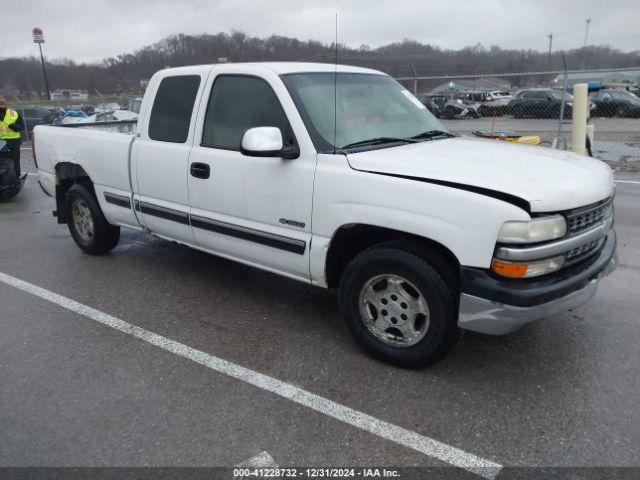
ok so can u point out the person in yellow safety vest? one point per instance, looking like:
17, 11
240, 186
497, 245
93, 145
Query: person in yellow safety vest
11, 124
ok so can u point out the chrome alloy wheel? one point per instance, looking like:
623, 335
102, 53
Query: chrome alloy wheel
394, 310
82, 220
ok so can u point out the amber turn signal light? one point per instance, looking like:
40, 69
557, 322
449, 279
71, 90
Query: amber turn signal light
508, 269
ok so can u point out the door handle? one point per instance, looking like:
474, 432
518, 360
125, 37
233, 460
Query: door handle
200, 170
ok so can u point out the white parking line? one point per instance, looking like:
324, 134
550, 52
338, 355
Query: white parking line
627, 181
428, 446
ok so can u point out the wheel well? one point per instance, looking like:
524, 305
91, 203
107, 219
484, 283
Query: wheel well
67, 175
350, 240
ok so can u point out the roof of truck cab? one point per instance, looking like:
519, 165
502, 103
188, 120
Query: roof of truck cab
301, 67
280, 68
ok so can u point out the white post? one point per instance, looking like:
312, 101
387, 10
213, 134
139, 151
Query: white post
580, 115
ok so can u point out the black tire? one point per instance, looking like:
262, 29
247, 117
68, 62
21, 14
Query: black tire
622, 111
409, 263
104, 237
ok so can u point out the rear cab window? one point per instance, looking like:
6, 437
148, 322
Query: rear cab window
172, 108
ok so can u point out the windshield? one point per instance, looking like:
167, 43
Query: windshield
623, 95
558, 94
369, 107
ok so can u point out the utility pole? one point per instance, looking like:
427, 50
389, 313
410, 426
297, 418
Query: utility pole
38, 37
415, 79
586, 32
549, 57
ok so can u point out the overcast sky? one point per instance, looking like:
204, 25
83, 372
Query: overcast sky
89, 30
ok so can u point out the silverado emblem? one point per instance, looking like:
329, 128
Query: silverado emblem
293, 223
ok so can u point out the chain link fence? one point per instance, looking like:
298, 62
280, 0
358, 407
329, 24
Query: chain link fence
536, 108
532, 107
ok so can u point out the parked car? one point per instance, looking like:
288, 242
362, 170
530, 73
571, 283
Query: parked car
440, 99
460, 108
134, 105
430, 103
540, 103
501, 94
375, 199
488, 104
615, 103
34, 115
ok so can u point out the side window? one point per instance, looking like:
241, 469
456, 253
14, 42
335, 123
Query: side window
172, 108
238, 103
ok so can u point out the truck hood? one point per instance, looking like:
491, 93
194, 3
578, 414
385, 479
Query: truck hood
549, 180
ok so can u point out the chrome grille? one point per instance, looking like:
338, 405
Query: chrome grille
584, 218
583, 251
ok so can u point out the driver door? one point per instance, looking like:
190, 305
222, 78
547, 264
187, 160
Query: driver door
253, 209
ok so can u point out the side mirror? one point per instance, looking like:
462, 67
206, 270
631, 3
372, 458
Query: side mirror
266, 142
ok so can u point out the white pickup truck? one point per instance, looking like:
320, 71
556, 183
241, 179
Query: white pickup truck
339, 177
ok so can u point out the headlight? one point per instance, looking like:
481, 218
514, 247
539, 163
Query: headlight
527, 269
536, 230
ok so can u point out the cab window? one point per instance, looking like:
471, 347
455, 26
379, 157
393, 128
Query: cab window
172, 108
238, 103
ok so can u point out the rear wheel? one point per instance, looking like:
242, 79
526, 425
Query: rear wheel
398, 306
86, 222
622, 111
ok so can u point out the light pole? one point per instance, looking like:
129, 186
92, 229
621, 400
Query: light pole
38, 37
586, 32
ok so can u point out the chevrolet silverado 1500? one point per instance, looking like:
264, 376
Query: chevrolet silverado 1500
337, 176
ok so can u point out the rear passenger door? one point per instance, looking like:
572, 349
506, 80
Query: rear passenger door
162, 156
253, 209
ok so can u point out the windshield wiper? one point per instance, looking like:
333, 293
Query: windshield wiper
432, 134
378, 141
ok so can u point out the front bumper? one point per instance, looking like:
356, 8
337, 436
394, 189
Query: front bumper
495, 306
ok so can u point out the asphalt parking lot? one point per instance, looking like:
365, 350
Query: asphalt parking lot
74, 391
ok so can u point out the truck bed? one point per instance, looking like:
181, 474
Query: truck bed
103, 154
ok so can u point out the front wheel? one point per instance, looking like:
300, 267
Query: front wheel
398, 306
86, 222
